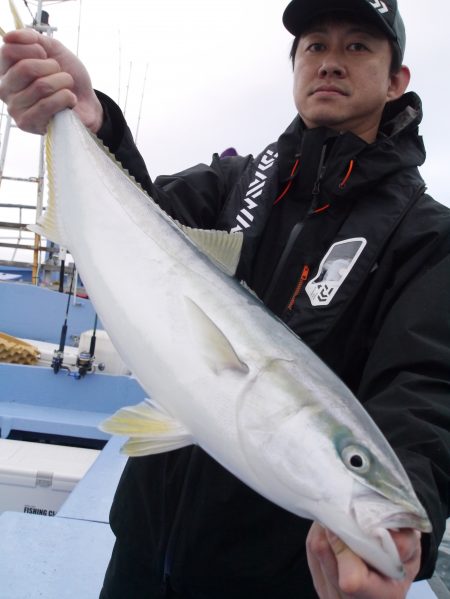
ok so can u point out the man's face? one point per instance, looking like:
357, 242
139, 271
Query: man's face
342, 77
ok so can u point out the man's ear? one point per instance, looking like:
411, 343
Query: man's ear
398, 83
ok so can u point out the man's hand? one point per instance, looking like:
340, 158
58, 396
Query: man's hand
40, 77
340, 574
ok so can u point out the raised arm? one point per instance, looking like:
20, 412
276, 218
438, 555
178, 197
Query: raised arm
40, 77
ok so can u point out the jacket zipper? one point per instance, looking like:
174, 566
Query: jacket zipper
296, 230
320, 175
293, 236
303, 278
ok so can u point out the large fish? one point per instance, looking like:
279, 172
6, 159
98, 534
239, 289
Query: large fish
225, 373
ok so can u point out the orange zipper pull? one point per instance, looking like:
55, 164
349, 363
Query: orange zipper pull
303, 278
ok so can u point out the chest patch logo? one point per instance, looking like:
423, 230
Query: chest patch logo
334, 269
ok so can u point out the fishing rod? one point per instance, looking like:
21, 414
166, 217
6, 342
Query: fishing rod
58, 356
62, 269
85, 360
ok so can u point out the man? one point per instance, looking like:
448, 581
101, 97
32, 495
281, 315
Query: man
339, 187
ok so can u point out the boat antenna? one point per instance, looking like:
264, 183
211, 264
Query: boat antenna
29, 9
120, 68
128, 87
140, 106
58, 355
79, 30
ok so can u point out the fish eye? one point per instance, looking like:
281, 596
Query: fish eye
356, 458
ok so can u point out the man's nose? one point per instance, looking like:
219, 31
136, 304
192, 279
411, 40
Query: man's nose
331, 68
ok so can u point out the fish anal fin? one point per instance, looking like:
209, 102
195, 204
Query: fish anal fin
221, 247
136, 448
150, 430
216, 349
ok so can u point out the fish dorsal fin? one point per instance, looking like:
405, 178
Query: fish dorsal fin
221, 247
150, 430
48, 224
216, 349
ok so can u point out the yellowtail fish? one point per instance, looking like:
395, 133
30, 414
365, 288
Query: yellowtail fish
220, 369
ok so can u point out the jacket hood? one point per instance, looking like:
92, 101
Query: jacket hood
351, 164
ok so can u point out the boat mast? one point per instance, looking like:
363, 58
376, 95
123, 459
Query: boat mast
41, 24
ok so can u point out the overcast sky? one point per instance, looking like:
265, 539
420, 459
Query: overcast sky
219, 75
212, 74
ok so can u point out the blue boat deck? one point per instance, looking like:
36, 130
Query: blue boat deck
64, 557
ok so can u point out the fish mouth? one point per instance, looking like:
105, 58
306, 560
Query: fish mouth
367, 532
371, 517
379, 512
407, 519
375, 546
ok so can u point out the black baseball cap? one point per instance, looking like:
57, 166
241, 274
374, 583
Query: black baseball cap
383, 14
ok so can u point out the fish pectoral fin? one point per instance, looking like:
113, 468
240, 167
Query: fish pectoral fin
221, 247
150, 430
216, 349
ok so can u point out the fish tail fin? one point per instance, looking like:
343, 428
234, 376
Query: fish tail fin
150, 430
17, 20
15, 13
48, 225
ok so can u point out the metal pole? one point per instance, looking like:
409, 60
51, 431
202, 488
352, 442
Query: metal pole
40, 188
39, 205
4, 146
39, 12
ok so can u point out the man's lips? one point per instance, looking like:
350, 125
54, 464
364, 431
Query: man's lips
329, 90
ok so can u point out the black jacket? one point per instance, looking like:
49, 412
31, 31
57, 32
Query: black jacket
384, 328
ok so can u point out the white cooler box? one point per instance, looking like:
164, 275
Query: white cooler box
36, 478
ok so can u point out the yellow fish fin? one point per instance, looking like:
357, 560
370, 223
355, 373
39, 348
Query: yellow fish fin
150, 430
17, 20
221, 247
47, 225
15, 13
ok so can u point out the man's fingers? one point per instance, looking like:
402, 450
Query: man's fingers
322, 563
12, 53
408, 544
37, 117
352, 569
39, 90
21, 36
25, 72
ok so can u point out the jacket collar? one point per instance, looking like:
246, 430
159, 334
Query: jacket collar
397, 146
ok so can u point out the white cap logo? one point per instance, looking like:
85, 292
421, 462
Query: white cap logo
380, 6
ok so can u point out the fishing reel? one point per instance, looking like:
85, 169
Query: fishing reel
57, 361
85, 363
